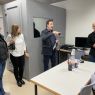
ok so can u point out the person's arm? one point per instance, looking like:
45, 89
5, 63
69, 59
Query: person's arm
25, 48
90, 42
89, 82
56, 33
9, 40
45, 35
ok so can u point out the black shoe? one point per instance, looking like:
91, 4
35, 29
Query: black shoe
22, 82
19, 84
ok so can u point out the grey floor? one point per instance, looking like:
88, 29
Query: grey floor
28, 89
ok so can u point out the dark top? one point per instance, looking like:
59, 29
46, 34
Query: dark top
3, 48
48, 42
91, 41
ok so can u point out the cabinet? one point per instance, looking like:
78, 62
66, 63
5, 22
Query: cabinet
63, 55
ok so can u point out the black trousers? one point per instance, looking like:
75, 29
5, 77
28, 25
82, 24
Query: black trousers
93, 91
46, 59
18, 66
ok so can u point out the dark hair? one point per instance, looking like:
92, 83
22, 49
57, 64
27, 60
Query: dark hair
47, 22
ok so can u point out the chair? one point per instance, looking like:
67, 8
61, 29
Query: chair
86, 90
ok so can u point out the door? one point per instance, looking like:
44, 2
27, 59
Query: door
12, 16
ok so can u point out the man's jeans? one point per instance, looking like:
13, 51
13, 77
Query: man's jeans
2, 68
91, 58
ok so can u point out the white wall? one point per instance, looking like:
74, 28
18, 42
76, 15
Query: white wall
79, 19
1, 14
1, 20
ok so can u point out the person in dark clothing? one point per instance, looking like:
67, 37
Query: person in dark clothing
91, 43
3, 58
36, 32
49, 44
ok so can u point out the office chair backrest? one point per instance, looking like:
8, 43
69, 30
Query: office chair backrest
86, 90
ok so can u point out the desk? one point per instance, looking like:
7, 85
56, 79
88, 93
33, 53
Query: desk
63, 50
60, 81
62, 55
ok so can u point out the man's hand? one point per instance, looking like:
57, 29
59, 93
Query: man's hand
57, 33
93, 45
57, 41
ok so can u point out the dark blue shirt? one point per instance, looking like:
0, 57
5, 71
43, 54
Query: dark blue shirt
48, 42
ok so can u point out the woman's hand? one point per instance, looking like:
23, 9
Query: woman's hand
27, 55
11, 41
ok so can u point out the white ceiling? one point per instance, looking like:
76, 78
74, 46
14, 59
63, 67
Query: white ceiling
61, 4
58, 3
5, 1
73, 4
49, 1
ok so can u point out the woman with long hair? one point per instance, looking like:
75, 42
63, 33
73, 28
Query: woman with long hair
17, 55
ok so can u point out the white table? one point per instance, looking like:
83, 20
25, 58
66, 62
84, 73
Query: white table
60, 81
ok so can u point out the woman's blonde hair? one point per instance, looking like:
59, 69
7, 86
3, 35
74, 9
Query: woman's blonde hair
14, 30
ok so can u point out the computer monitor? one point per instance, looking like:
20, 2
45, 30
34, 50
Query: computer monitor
81, 42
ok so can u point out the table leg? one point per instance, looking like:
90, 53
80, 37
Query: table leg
36, 90
58, 56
